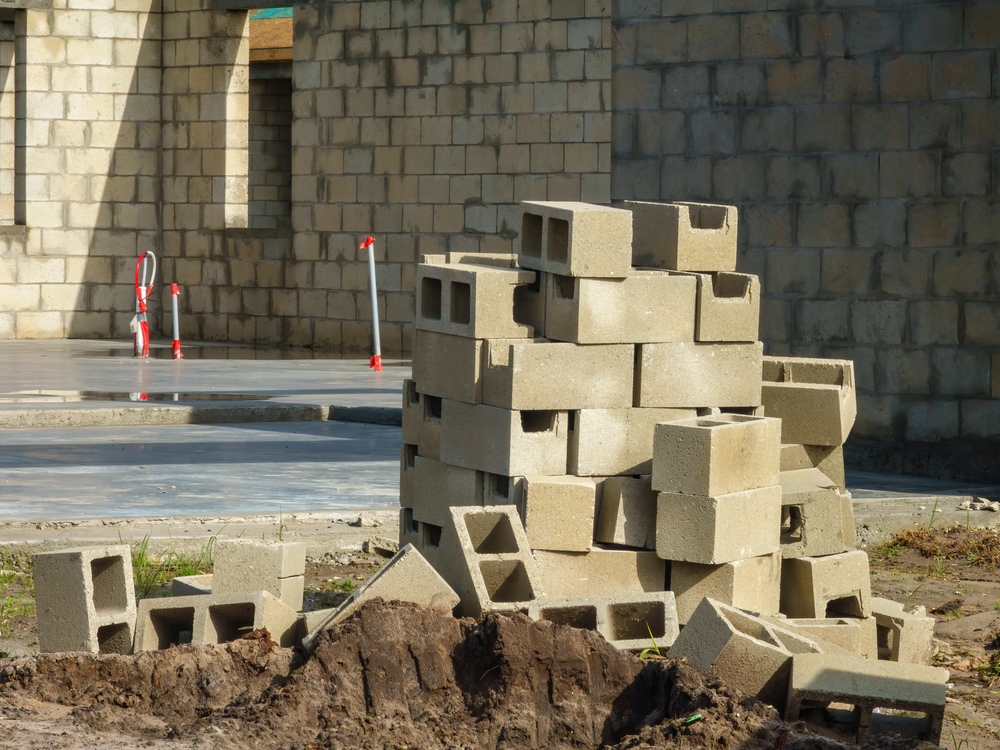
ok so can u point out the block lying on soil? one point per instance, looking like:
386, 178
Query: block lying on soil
212, 619
191, 585
85, 600
868, 684
407, 577
902, 636
627, 621
747, 652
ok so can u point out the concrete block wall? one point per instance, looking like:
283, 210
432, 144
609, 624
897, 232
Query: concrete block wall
84, 177
424, 124
270, 184
860, 141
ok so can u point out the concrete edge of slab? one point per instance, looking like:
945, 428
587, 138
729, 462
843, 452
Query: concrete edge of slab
166, 415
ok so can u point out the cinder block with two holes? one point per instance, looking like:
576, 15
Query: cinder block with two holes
576, 239
814, 398
625, 621
212, 619
752, 584
600, 572
828, 586
537, 374
902, 636
247, 565
712, 530
421, 420
484, 555
85, 600
559, 512
728, 307
407, 577
627, 513
690, 375
646, 306
716, 455
683, 236
746, 652
606, 442
480, 302
505, 442
867, 684
817, 517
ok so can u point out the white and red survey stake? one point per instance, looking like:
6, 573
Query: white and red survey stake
376, 361
140, 325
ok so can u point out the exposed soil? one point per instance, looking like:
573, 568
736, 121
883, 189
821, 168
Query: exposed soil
396, 676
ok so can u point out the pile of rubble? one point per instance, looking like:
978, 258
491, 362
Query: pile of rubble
592, 436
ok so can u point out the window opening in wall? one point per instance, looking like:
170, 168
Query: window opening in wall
270, 185
13, 85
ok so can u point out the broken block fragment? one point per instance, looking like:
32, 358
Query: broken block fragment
576, 239
85, 600
828, 586
813, 398
684, 236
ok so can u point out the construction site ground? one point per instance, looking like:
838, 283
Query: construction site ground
82, 464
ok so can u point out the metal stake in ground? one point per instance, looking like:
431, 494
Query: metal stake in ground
175, 292
140, 325
376, 361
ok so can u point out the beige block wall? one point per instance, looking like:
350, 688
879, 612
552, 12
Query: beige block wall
861, 141
88, 78
423, 124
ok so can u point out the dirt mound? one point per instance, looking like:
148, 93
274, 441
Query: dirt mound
396, 676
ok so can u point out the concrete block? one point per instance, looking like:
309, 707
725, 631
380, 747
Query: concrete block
752, 584
716, 455
605, 442
244, 565
829, 459
191, 585
535, 374
576, 239
421, 420
448, 366
814, 398
212, 619
746, 652
438, 486
559, 512
714, 530
505, 442
85, 600
817, 517
866, 684
600, 572
646, 306
407, 577
625, 621
844, 632
683, 236
627, 514
826, 586
486, 559
407, 475
472, 301
902, 636
500, 260
692, 375
728, 307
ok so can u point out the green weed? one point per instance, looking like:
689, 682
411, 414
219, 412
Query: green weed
933, 514
153, 573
